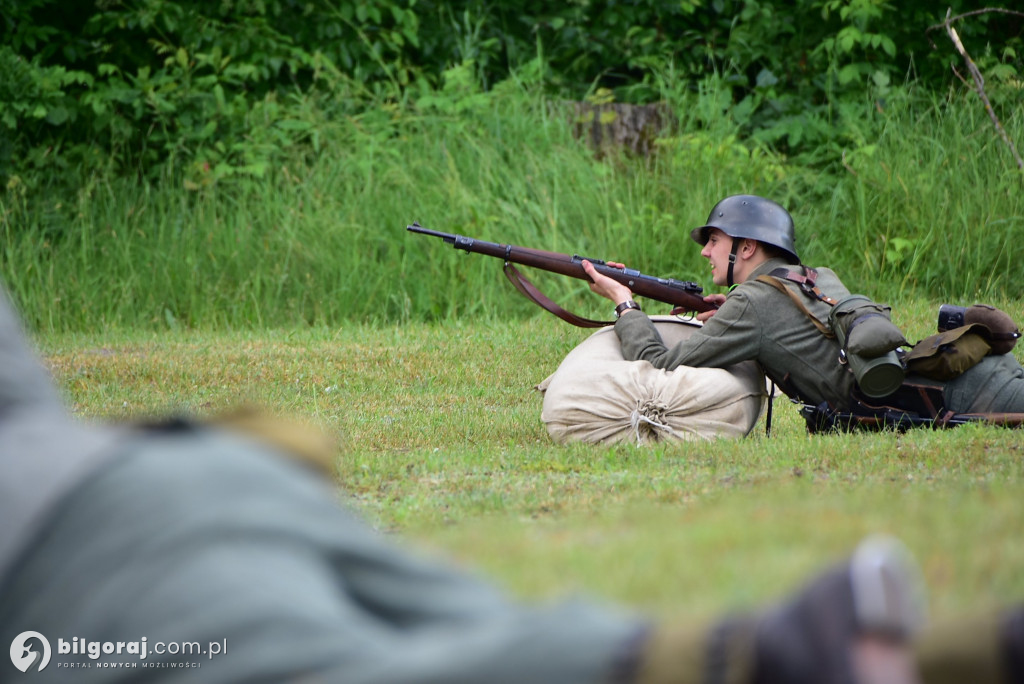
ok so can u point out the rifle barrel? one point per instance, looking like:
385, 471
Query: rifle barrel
678, 293
415, 227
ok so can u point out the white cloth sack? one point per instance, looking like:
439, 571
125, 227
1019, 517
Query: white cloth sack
597, 396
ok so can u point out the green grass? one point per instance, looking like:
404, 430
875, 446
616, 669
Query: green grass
441, 444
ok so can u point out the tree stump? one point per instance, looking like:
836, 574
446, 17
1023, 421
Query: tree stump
610, 126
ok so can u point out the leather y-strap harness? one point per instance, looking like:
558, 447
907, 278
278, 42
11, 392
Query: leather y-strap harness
922, 397
807, 282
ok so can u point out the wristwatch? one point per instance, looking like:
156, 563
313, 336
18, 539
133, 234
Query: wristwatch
626, 306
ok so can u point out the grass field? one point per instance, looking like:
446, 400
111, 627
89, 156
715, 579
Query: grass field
441, 444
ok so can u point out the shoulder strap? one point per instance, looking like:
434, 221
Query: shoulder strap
776, 283
807, 282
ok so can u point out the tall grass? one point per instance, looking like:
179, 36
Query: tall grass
934, 204
929, 204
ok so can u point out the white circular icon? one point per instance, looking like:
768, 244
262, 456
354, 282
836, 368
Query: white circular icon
24, 656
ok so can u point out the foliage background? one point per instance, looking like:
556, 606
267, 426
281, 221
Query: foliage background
254, 163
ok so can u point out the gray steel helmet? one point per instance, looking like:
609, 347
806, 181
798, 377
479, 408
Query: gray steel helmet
752, 217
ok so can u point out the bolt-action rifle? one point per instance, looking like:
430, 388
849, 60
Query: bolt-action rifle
823, 419
685, 296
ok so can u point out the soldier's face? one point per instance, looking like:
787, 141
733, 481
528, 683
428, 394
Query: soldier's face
717, 251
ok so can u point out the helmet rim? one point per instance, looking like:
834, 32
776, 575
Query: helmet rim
751, 217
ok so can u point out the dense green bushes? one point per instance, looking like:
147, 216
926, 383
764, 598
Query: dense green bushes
147, 86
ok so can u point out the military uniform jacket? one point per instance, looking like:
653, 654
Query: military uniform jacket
758, 323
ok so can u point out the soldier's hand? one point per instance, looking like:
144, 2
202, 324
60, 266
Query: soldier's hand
605, 286
717, 300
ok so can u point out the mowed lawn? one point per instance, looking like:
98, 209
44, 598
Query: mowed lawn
441, 445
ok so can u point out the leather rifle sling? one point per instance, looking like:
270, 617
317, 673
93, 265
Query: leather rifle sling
530, 291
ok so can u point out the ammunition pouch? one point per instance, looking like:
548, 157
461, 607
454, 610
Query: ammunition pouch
949, 354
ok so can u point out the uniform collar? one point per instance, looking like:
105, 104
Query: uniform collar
769, 266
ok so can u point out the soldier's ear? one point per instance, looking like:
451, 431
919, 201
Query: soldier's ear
748, 248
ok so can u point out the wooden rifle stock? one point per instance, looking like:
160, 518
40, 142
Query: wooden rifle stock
683, 295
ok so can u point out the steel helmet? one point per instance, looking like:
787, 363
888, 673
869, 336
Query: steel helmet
752, 217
